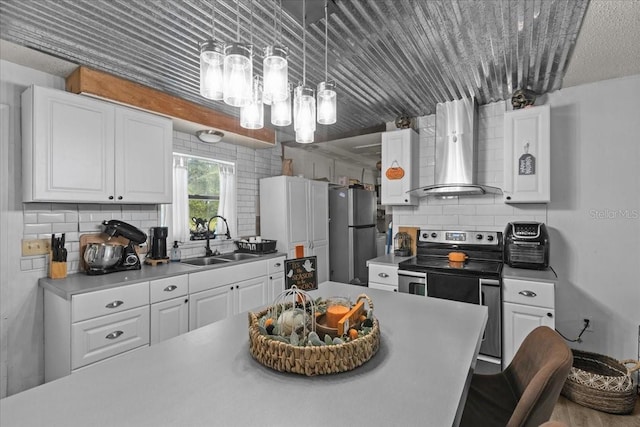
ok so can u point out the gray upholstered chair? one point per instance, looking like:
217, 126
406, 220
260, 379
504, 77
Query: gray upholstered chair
524, 394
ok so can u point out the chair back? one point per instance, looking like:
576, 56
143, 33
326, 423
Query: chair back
536, 374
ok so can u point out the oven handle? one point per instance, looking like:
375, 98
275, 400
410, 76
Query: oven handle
412, 274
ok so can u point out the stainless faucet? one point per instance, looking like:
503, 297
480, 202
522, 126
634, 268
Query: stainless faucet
207, 249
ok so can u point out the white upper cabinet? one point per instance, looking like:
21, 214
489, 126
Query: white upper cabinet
399, 167
79, 149
527, 158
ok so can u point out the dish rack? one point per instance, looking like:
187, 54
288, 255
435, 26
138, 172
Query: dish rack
266, 246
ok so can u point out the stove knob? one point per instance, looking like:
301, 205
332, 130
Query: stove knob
434, 235
479, 236
490, 238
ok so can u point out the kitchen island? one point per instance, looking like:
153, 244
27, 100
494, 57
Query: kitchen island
207, 377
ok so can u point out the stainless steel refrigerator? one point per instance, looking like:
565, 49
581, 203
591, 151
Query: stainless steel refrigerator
352, 234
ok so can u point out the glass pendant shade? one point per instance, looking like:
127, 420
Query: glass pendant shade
212, 69
304, 137
281, 110
276, 74
252, 114
327, 103
238, 74
304, 111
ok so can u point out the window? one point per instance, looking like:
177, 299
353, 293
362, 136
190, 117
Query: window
203, 188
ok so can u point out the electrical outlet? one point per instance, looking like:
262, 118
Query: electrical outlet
36, 247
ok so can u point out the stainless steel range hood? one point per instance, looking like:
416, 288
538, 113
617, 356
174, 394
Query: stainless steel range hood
456, 157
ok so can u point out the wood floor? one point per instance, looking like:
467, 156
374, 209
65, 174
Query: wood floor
574, 415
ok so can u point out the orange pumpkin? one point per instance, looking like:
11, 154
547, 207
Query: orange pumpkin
394, 172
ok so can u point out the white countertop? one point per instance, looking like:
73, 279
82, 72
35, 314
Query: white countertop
546, 275
207, 377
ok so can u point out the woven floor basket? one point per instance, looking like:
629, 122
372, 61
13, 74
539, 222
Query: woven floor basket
311, 360
601, 382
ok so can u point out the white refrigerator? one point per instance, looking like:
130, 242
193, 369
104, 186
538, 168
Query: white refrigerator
352, 234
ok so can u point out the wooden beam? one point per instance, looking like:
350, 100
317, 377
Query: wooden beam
88, 81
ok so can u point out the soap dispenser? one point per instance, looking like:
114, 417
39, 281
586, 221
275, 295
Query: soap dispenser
175, 252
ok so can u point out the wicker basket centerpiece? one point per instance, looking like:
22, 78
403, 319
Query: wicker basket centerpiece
284, 337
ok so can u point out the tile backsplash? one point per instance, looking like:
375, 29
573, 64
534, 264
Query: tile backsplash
488, 212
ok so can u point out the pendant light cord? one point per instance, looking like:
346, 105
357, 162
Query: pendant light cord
238, 21
304, 42
251, 24
326, 39
213, 20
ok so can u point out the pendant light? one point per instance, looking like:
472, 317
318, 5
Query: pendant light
281, 110
238, 69
304, 105
252, 114
212, 64
275, 66
326, 89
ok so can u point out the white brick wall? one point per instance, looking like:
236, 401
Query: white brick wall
488, 212
43, 219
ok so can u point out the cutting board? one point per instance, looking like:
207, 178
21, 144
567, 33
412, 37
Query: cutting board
85, 239
413, 232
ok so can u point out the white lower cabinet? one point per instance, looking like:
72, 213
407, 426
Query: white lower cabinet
169, 307
222, 292
527, 305
383, 277
276, 283
93, 326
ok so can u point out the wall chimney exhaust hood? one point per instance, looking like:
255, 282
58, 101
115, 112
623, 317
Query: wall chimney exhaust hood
456, 157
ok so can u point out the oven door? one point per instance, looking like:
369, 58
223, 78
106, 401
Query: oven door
453, 287
411, 282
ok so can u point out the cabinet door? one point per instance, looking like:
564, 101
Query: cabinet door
250, 294
276, 286
143, 157
519, 321
322, 254
527, 155
399, 149
318, 215
169, 319
297, 205
210, 306
68, 147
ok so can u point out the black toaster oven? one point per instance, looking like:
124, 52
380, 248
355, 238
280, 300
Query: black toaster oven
526, 245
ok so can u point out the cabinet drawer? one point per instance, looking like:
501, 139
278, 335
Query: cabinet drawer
204, 280
382, 287
539, 294
383, 274
171, 287
106, 336
108, 301
275, 265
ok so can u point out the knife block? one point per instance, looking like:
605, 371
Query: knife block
57, 270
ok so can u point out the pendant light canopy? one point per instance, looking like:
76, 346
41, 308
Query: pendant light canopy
212, 64
281, 110
252, 114
327, 111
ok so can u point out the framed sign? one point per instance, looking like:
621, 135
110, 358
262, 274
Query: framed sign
301, 272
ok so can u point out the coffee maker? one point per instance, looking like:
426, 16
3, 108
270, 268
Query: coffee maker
159, 243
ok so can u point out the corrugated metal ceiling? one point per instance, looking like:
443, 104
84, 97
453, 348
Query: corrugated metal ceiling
388, 57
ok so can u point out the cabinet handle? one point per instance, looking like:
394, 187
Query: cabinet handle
528, 293
110, 197
278, 264
549, 315
114, 304
385, 275
114, 335
170, 288
119, 197
237, 286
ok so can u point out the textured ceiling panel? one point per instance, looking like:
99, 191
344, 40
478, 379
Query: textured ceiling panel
388, 57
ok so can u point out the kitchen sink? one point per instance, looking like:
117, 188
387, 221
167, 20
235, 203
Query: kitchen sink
206, 261
237, 256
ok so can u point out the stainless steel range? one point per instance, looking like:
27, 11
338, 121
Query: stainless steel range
461, 266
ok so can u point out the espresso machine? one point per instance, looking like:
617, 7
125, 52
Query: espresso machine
103, 258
